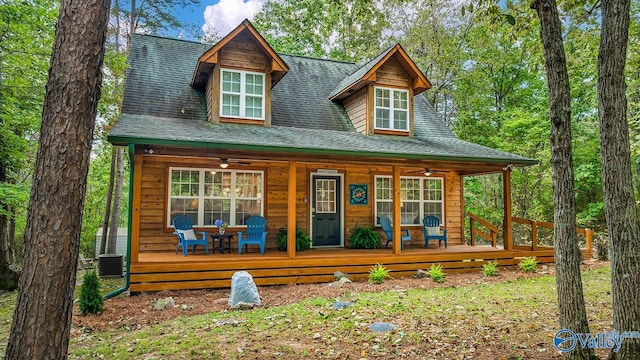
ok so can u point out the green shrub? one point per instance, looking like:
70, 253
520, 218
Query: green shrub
303, 241
364, 237
528, 264
436, 273
490, 268
91, 301
378, 274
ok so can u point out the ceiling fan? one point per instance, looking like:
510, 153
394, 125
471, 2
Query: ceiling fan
429, 171
224, 162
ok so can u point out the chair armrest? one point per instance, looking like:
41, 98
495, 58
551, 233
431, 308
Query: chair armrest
203, 233
239, 235
444, 232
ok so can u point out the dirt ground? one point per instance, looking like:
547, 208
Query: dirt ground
137, 311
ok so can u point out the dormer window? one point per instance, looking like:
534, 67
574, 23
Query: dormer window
242, 94
391, 109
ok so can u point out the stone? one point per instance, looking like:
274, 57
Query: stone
422, 274
243, 306
341, 305
382, 327
244, 290
163, 304
340, 283
339, 275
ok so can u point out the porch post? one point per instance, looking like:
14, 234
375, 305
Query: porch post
135, 205
396, 210
291, 211
507, 223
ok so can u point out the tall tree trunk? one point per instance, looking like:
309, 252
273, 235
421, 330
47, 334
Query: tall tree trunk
620, 209
42, 318
571, 307
117, 201
9, 273
107, 211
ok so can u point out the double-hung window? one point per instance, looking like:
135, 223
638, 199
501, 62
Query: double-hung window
391, 109
419, 196
209, 194
242, 94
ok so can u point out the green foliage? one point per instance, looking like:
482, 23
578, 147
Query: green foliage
528, 264
436, 273
91, 301
364, 237
311, 27
303, 241
97, 188
490, 268
378, 274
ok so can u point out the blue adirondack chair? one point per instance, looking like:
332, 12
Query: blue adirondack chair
256, 234
385, 222
432, 231
186, 236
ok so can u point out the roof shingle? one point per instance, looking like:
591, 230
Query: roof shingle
160, 107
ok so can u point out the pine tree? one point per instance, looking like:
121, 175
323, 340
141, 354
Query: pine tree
91, 301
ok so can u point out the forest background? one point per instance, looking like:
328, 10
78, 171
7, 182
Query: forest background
485, 65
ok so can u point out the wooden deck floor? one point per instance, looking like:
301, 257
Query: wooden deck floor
160, 271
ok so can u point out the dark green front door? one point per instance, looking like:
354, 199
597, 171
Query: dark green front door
326, 210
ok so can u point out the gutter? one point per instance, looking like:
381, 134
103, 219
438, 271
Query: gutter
127, 278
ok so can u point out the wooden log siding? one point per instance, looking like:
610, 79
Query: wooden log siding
356, 108
392, 74
243, 53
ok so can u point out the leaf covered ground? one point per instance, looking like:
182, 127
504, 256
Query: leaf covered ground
469, 316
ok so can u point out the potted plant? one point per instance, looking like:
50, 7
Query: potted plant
222, 225
303, 241
364, 237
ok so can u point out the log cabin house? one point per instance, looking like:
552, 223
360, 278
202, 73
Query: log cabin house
236, 129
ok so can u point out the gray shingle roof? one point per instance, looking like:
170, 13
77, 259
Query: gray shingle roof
160, 107
358, 73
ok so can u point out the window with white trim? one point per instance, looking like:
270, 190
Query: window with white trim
209, 194
391, 109
419, 196
241, 94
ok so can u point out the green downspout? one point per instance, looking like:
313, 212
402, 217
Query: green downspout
130, 216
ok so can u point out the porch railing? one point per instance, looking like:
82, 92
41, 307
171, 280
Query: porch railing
492, 231
491, 235
588, 233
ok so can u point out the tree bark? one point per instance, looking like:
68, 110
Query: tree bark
117, 201
9, 273
571, 307
42, 318
620, 208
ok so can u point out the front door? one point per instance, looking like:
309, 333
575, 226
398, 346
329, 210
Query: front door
326, 210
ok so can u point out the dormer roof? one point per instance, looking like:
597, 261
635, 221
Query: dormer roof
209, 59
366, 74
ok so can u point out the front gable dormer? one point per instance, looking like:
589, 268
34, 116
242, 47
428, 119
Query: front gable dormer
237, 75
378, 96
